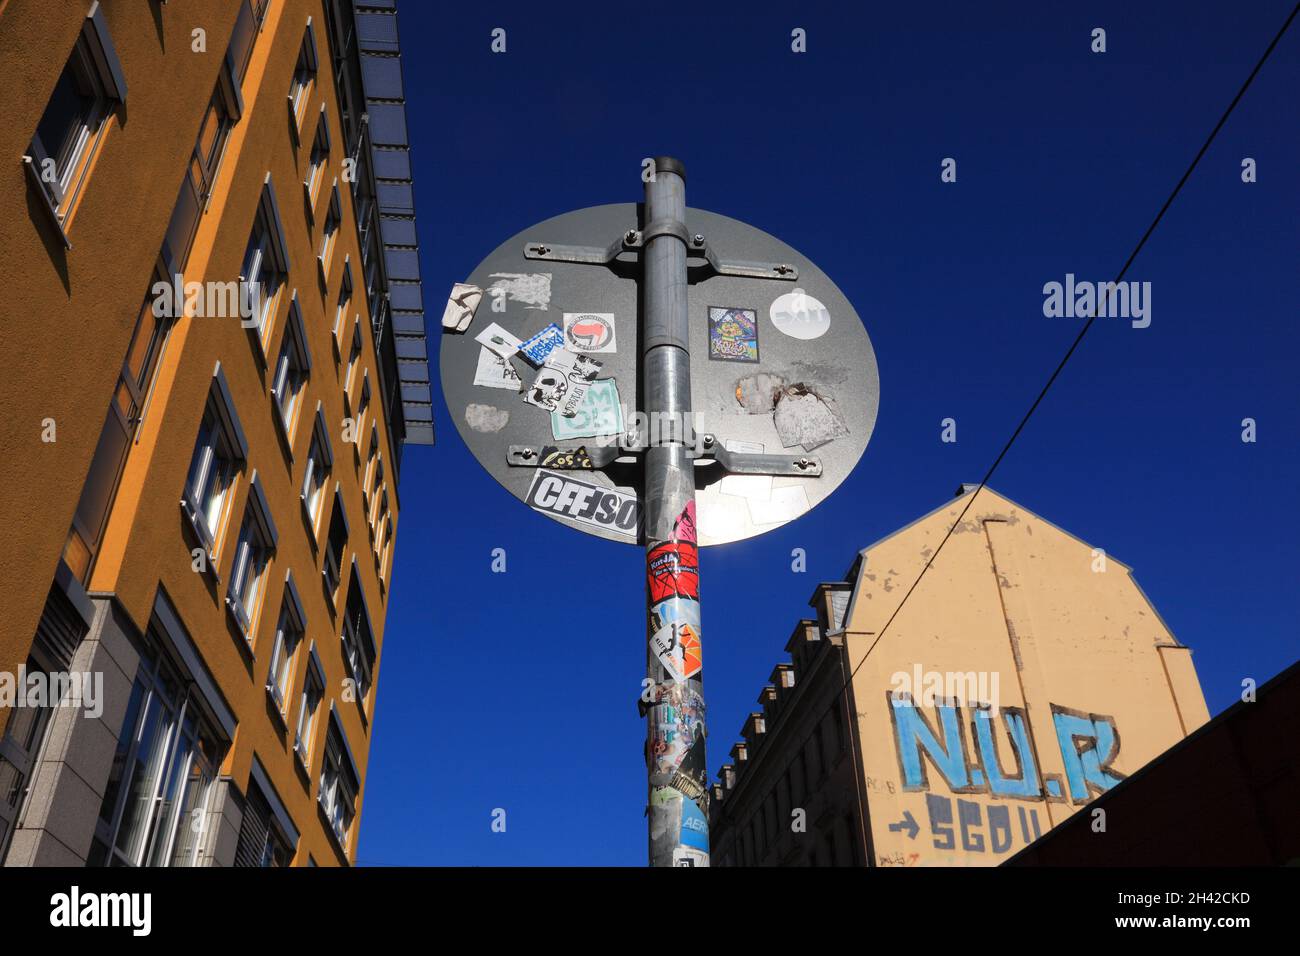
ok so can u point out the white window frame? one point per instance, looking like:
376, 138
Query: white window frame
344, 300
318, 469
266, 263
359, 650
340, 783
292, 372
305, 730
303, 82
330, 233
226, 444
95, 59
331, 564
290, 631
317, 162
253, 554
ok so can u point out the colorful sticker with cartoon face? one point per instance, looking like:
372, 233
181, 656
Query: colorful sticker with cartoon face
733, 334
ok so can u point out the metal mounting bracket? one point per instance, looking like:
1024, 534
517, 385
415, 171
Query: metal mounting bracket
698, 254
630, 447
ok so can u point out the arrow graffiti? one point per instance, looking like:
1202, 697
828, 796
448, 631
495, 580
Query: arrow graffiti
908, 824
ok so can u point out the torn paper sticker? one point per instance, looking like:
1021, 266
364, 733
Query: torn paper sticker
461, 306
589, 331
543, 344
563, 382
805, 416
785, 504
486, 418
675, 640
498, 340
533, 289
599, 414
495, 372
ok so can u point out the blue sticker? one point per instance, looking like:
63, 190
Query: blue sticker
543, 344
695, 829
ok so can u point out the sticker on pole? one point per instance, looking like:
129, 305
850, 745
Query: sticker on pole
800, 316
733, 335
564, 496
589, 331
676, 637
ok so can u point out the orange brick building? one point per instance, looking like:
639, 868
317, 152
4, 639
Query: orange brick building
217, 355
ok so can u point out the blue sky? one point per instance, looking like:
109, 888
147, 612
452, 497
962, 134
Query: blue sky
518, 691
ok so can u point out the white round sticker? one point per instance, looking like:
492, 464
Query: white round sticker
800, 316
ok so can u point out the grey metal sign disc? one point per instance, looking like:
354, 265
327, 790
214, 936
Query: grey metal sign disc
778, 366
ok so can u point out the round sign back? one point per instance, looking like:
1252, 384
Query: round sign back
550, 366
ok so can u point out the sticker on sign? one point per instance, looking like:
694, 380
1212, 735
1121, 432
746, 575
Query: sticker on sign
564, 496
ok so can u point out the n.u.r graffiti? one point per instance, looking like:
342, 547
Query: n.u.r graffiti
969, 763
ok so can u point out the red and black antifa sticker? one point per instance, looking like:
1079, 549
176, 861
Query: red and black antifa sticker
673, 570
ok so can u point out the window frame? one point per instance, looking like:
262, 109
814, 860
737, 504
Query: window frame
305, 729
266, 248
95, 65
317, 162
320, 440
284, 653
154, 677
227, 429
303, 82
294, 357
330, 233
340, 782
244, 598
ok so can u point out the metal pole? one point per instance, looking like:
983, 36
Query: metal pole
678, 809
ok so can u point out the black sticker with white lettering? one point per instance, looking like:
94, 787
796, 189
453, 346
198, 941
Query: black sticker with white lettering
565, 496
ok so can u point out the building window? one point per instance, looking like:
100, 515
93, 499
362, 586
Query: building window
252, 13
320, 154
126, 411
161, 777
386, 536
219, 453
332, 569
304, 76
358, 640
266, 264
380, 513
313, 692
261, 843
363, 406
345, 301
224, 110
374, 476
320, 461
339, 783
330, 233
289, 632
354, 363
257, 539
71, 128
59, 631
292, 370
